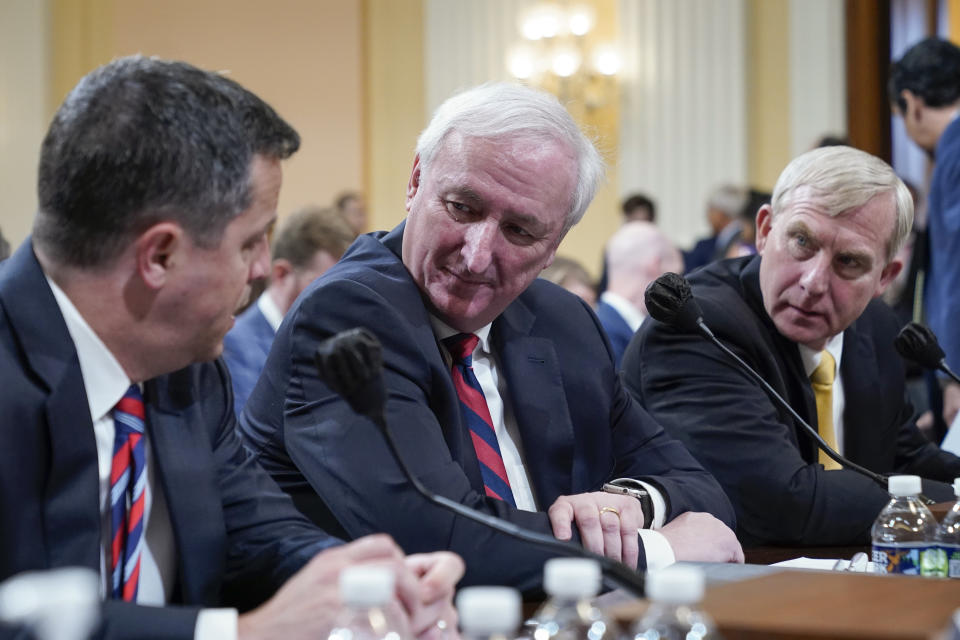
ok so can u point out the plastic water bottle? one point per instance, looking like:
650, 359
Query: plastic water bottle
675, 594
365, 592
489, 613
948, 535
569, 612
904, 534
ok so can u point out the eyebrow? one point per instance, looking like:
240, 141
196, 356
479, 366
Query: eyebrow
475, 199
863, 256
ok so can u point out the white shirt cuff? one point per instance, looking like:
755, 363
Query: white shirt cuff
219, 624
658, 551
659, 506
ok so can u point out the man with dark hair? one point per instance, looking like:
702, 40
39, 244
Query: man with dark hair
639, 207
802, 314
924, 89
158, 183
305, 246
501, 389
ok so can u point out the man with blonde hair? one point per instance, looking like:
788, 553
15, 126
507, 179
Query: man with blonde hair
802, 313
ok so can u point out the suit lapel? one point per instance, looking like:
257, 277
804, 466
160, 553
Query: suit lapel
185, 469
857, 367
532, 372
71, 509
795, 386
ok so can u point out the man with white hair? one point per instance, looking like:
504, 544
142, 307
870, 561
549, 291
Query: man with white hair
637, 254
802, 313
501, 390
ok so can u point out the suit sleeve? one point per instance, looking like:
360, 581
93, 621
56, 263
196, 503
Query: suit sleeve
736, 432
268, 540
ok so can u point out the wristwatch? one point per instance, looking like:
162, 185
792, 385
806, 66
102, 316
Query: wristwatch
638, 492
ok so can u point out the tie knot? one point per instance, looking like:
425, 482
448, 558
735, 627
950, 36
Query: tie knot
131, 406
461, 346
826, 371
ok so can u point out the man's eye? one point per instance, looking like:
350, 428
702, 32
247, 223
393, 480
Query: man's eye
457, 207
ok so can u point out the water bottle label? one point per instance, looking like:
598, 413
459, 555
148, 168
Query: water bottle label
916, 560
952, 553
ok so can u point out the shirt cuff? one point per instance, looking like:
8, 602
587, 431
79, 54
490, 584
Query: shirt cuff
220, 624
659, 506
658, 551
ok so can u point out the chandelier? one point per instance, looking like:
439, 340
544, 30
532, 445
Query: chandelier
558, 53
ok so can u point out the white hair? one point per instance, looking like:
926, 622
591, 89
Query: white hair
842, 178
503, 110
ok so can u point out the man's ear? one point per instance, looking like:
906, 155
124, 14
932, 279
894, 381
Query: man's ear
764, 225
887, 276
280, 268
414, 184
159, 250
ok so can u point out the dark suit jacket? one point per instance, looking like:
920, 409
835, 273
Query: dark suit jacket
237, 536
766, 465
578, 427
245, 350
617, 330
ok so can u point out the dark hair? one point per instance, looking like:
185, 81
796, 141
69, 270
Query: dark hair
930, 69
342, 199
4, 248
756, 199
639, 201
141, 140
308, 231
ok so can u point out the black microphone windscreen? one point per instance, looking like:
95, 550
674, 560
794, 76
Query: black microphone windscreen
918, 343
669, 300
351, 364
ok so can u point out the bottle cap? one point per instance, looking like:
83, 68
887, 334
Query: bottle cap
571, 577
366, 586
675, 585
902, 486
485, 611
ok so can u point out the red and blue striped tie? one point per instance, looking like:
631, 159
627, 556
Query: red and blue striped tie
473, 407
128, 482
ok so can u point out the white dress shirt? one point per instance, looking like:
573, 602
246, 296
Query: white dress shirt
630, 314
270, 310
105, 382
658, 551
811, 359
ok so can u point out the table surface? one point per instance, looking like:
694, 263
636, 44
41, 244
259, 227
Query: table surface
796, 604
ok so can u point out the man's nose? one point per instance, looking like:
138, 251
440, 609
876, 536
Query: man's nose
260, 267
816, 275
478, 243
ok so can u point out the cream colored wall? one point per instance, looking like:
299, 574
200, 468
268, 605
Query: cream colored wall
768, 91
395, 103
304, 57
23, 116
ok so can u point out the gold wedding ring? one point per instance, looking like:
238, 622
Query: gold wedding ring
604, 510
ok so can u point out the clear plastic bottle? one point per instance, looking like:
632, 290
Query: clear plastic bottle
675, 594
489, 613
904, 534
569, 613
948, 535
365, 592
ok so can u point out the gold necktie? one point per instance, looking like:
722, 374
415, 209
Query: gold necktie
822, 381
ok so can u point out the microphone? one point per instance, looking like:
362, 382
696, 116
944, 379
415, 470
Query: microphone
351, 364
670, 300
918, 343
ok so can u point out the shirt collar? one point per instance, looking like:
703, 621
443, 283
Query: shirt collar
442, 330
631, 315
104, 380
811, 358
270, 310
